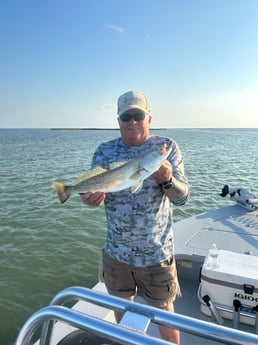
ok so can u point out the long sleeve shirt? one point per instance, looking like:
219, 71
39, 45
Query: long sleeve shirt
140, 225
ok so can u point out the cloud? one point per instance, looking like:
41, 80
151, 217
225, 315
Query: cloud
116, 28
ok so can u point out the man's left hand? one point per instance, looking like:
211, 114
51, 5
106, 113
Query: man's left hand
164, 173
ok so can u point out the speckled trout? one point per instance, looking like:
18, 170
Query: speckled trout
121, 175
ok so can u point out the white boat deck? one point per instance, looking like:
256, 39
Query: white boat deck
232, 228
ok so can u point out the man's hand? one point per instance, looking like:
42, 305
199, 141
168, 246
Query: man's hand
93, 199
164, 173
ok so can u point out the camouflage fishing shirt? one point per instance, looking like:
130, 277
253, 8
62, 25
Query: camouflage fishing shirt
139, 226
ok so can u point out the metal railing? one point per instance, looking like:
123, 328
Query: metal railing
125, 332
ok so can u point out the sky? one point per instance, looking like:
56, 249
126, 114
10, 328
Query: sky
64, 63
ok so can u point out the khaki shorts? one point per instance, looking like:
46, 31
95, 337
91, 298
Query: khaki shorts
157, 284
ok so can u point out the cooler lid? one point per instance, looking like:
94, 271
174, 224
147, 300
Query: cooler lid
234, 267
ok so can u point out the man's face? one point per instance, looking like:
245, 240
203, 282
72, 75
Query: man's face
134, 127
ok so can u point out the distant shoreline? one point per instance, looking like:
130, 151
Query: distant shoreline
93, 129
82, 129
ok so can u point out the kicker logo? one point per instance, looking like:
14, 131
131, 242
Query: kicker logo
246, 297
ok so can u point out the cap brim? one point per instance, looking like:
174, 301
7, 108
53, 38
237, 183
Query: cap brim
132, 107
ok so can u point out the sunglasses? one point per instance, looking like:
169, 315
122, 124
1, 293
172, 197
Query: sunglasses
128, 117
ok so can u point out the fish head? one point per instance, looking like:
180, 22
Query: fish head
153, 159
161, 153
165, 150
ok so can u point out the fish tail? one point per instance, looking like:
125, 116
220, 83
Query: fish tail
62, 194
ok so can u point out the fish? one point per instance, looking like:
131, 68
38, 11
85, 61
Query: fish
120, 176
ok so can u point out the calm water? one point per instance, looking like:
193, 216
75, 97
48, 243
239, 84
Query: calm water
46, 246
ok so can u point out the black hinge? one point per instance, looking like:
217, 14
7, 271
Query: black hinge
249, 289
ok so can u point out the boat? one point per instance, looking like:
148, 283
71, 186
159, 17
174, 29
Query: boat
216, 254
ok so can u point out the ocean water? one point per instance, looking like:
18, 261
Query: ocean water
47, 246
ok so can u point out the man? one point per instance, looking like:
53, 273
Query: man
138, 254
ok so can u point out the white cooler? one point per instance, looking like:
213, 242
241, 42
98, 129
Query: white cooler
235, 279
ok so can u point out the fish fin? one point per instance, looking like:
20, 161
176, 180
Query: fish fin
137, 187
94, 172
60, 188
